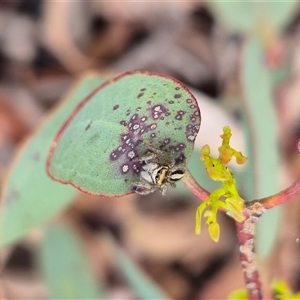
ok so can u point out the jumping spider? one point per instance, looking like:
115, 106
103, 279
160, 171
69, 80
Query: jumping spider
159, 170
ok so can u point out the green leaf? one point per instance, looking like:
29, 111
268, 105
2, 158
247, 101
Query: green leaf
142, 285
244, 16
94, 149
281, 12
263, 132
30, 198
240, 15
65, 266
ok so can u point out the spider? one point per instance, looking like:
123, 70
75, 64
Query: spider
159, 171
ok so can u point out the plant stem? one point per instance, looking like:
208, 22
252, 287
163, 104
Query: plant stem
245, 235
189, 182
282, 196
246, 229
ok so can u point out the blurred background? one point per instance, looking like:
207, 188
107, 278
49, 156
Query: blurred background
45, 46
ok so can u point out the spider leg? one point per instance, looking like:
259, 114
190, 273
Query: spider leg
141, 183
146, 191
172, 184
174, 161
146, 157
155, 152
146, 187
163, 190
181, 166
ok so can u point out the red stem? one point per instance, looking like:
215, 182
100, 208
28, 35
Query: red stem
246, 229
282, 196
189, 182
245, 235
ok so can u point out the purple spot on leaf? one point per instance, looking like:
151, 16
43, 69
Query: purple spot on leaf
179, 147
153, 126
140, 95
176, 96
128, 142
116, 107
135, 168
193, 119
124, 168
158, 111
180, 114
114, 155
131, 154
144, 128
166, 141
191, 132
134, 117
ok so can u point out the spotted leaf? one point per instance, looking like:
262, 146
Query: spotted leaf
95, 149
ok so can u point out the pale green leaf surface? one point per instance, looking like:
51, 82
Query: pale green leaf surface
263, 151
65, 266
30, 198
117, 122
243, 16
240, 15
143, 286
281, 12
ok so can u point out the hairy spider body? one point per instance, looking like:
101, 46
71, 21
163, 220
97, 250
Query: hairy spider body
159, 171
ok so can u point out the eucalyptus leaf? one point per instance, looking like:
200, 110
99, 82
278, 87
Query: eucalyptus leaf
244, 16
65, 266
263, 150
30, 198
142, 285
96, 147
